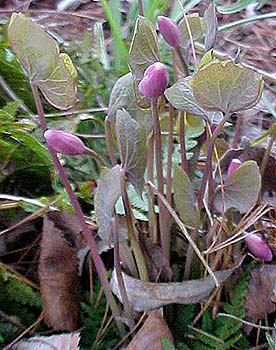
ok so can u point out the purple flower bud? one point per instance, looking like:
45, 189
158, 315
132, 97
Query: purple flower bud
235, 164
169, 30
64, 142
259, 247
155, 80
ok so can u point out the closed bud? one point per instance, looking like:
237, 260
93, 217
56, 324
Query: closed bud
155, 80
64, 142
259, 247
234, 165
169, 30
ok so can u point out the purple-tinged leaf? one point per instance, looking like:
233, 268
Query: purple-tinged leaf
211, 27
241, 189
144, 51
108, 192
226, 87
144, 296
132, 141
53, 73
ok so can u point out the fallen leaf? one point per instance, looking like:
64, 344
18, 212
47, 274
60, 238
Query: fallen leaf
68, 341
226, 87
145, 296
58, 271
150, 335
261, 287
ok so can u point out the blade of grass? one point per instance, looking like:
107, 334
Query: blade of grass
156, 8
246, 20
176, 13
113, 15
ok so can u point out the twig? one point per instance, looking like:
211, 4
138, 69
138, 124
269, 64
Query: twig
140, 8
221, 314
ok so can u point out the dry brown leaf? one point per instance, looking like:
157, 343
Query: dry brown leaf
260, 292
149, 336
58, 271
68, 341
145, 296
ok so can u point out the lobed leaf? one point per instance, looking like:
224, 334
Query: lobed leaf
241, 189
123, 97
181, 96
184, 197
144, 51
108, 192
132, 141
39, 55
226, 87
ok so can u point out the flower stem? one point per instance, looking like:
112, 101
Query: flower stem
152, 215
184, 162
108, 140
208, 167
164, 232
118, 270
169, 157
139, 257
85, 229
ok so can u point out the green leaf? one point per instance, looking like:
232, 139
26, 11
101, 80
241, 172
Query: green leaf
226, 87
241, 189
8, 113
39, 55
194, 126
211, 27
108, 192
238, 6
184, 197
180, 95
30, 142
207, 58
196, 24
123, 97
132, 141
144, 51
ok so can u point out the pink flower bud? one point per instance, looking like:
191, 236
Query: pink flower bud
64, 142
155, 80
169, 30
259, 247
235, 164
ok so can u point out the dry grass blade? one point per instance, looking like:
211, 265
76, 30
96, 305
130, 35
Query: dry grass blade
248, 220
185, 232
